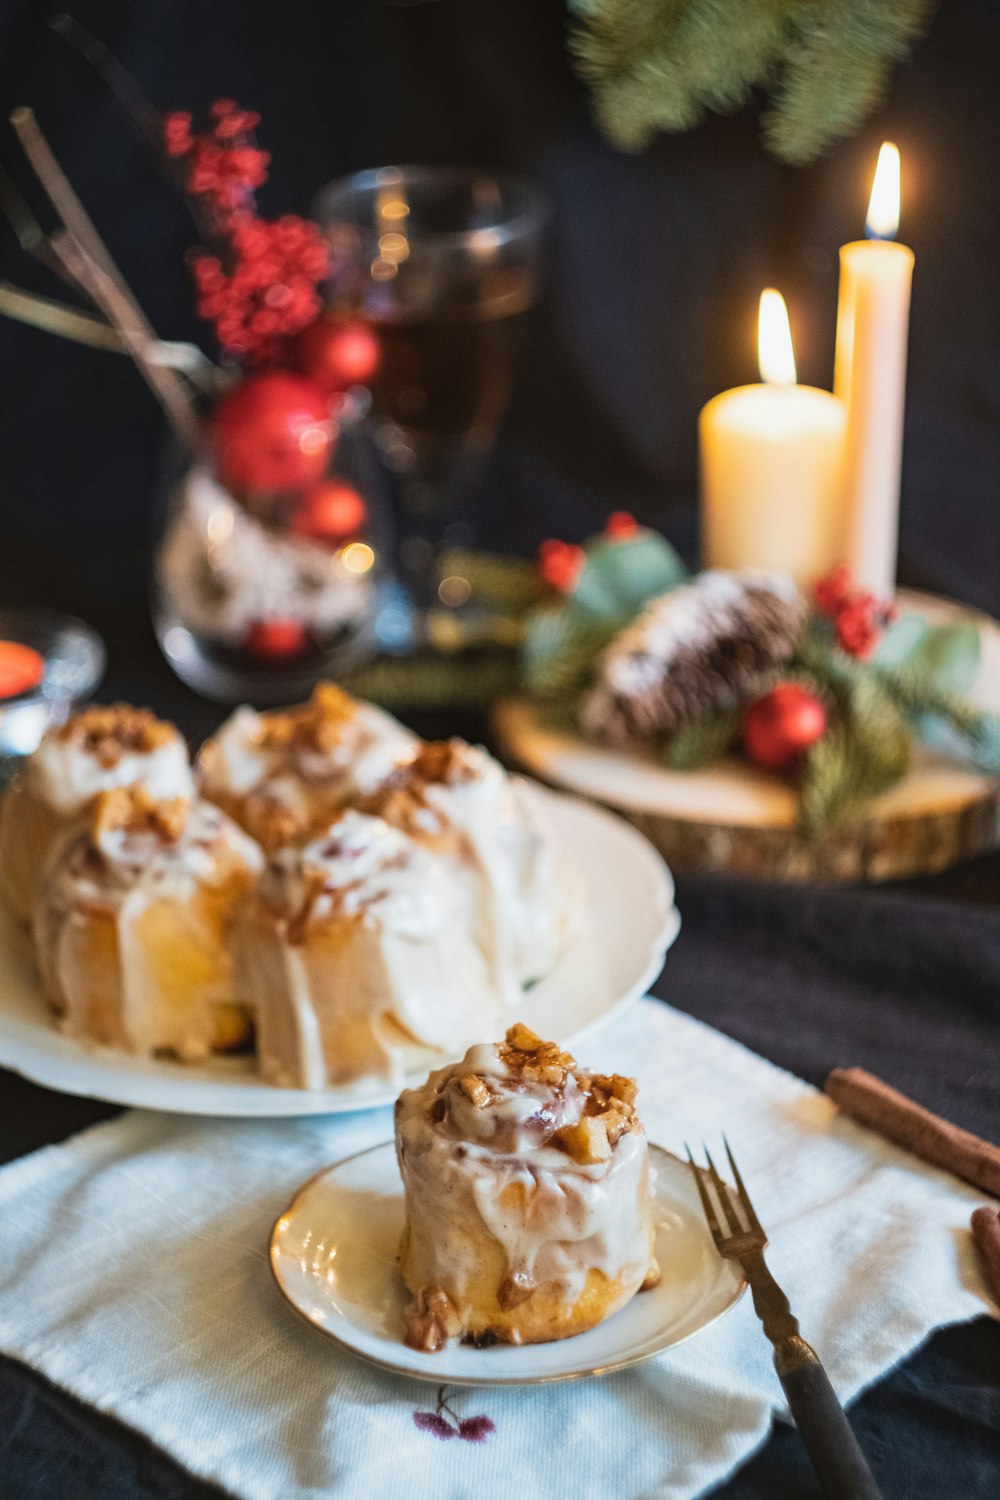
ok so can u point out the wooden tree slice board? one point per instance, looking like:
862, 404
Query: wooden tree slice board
734, 817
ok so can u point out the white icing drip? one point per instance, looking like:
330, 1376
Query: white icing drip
357, 947
67, 777
360, 867
526, 897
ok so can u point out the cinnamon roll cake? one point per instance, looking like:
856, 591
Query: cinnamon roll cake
132, 925
355, 953
457, 802
527, 1189
279, 774
95, 751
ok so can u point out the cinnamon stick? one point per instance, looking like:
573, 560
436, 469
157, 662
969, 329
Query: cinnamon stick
927, 1135
986, 1233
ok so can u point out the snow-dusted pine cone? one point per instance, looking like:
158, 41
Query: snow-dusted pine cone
701, 649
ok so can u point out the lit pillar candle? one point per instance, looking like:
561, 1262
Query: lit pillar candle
870, 378
771, 466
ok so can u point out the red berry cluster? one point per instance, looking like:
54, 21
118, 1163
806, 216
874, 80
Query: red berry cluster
620, 526
560, 564
224, 166
262, 287
271, 291
858, 617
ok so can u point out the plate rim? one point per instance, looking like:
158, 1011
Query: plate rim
35, 1061
429, 1377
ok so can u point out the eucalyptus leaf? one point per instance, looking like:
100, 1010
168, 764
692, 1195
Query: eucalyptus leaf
902, 638
952, 654
621, 576
948, 654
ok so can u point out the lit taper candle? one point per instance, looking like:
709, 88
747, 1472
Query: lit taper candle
870, 378
770, 460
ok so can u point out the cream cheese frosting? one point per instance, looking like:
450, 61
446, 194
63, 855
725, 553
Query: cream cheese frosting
357, 947
456, 798
103, 748
286, 771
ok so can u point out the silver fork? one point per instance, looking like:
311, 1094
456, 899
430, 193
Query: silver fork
840, 1465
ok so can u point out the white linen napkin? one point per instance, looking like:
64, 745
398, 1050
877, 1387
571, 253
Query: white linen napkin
133, 1272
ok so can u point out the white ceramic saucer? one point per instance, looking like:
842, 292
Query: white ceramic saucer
333, 1254
628, 923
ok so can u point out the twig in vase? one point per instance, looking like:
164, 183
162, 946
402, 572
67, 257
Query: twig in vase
117, 77
30, 234
136, 336
85, 257
57, 317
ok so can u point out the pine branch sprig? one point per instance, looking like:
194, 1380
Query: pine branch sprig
661, 64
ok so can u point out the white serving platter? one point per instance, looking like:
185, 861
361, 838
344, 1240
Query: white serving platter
625, 930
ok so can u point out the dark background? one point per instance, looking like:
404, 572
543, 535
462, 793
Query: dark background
657, 262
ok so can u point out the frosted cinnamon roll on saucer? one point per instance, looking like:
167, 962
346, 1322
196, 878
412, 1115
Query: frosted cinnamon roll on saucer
527, 1188
355, 954
279, 774
133, 921
93, 752
456, 800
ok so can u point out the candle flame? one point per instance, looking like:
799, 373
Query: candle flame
883, 207
775, 354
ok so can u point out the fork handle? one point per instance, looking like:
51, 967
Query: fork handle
840, 1465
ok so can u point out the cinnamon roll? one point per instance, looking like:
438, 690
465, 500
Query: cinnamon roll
280, 774
93, 752
356, 951
457, 801
527, 1187
132, 926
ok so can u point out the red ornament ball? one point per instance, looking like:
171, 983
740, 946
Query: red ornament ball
782, 725
274, 431
274, 640
338, 355
332, 510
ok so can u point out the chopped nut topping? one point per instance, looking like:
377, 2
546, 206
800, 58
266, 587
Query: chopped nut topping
514, 1290
431, 1320
476, 1089
615, 1086
611, 1097
402, 798
536, 1061
317, 725
653, 1277
586, 1141
108, 733
273, 824
521, 1038
132, 809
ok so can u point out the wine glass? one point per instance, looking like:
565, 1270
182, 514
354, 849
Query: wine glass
442, 265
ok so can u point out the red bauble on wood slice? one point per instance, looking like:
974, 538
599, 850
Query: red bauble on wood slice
781, 726
337, 355
273, 432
